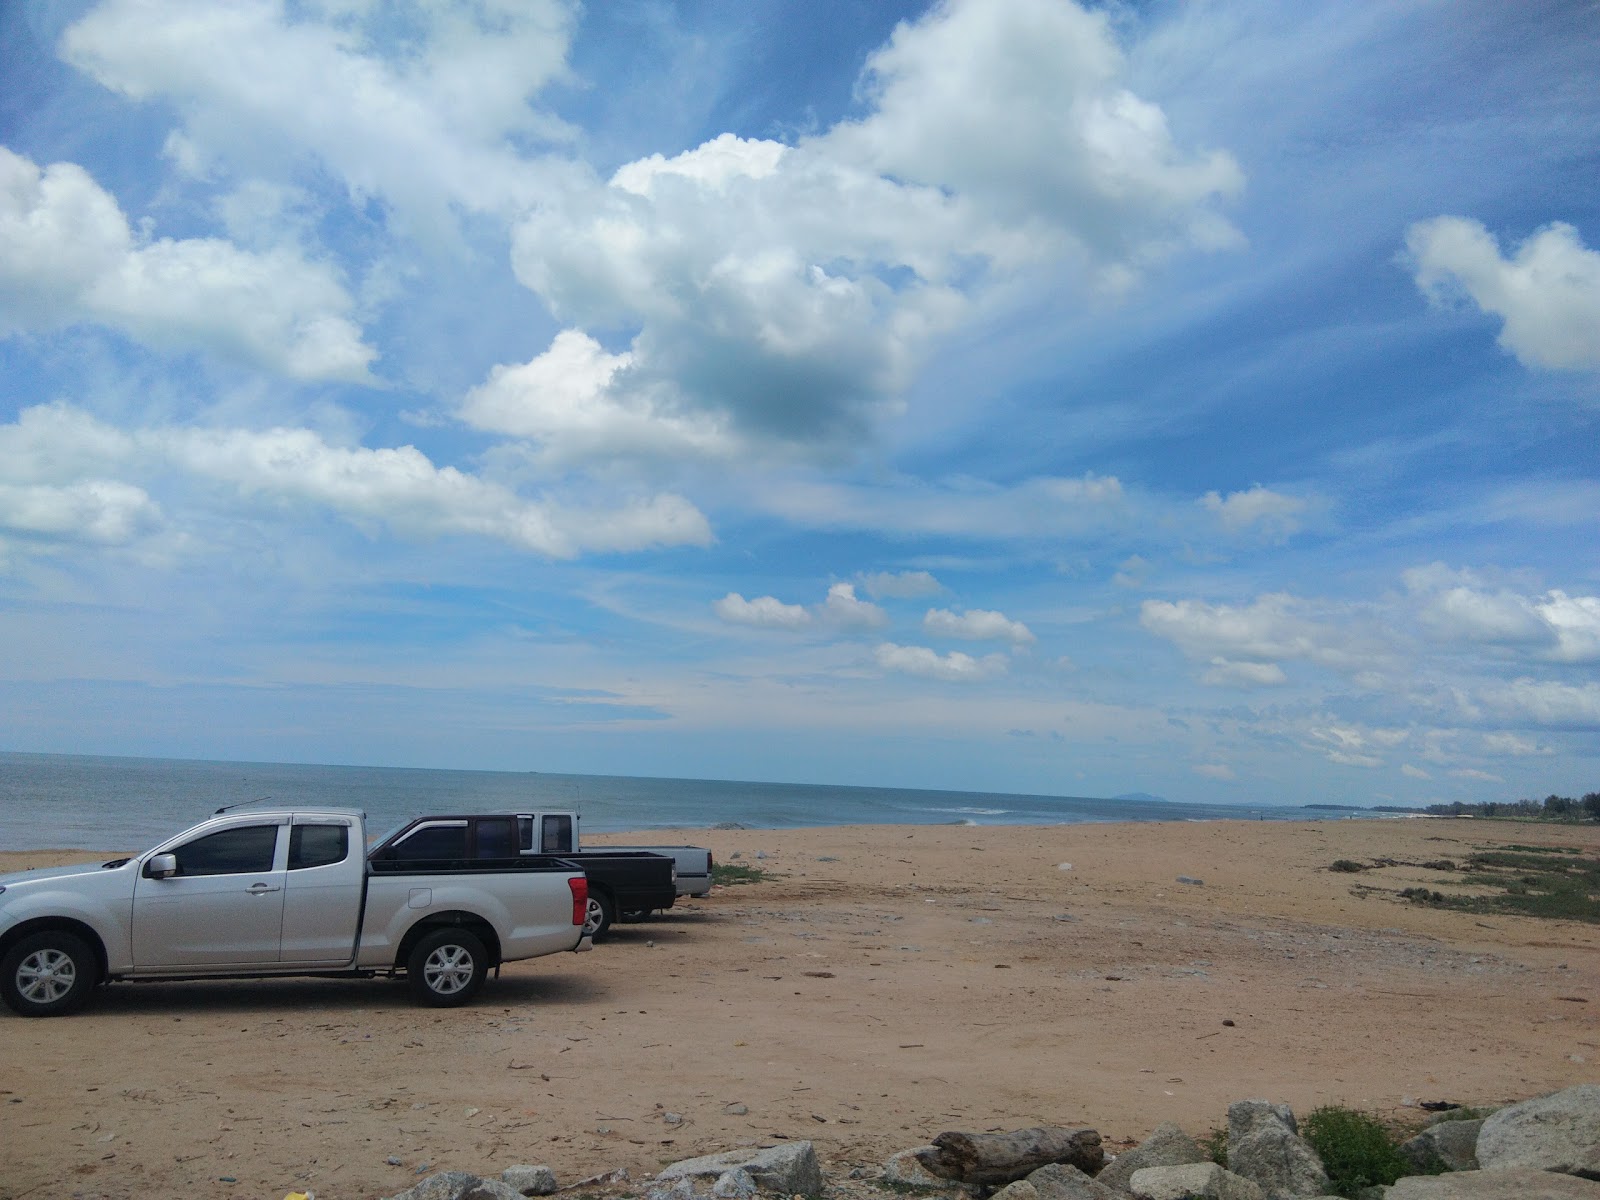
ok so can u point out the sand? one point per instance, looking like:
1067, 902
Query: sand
888, 984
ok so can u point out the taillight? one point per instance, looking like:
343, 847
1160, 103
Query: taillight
580, 898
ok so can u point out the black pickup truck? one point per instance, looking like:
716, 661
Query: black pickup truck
620, 881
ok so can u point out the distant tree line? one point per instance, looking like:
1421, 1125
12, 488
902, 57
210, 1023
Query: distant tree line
1551, 808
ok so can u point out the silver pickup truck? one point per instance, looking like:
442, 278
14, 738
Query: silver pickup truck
279, 893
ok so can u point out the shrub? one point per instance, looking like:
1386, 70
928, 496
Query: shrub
1347, 865
726, 873
1356, 1149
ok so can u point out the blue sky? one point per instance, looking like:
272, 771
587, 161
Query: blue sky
1012, 395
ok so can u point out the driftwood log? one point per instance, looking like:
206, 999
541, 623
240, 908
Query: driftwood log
998, 1158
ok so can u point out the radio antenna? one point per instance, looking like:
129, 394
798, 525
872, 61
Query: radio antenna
241, 804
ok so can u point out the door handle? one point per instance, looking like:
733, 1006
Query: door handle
261, 889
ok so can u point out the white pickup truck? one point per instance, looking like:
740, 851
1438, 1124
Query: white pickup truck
286, 892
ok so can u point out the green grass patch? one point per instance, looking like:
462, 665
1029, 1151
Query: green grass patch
1357, 1151
731, 873
1528, 881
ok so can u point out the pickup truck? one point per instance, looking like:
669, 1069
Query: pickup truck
558, 834
286, 892
621, 881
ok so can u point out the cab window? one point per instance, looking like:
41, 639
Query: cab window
556, 835
244, 850
432, 842
317, 845
497, 837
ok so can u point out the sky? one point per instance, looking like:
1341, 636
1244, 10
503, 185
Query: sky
1200, 399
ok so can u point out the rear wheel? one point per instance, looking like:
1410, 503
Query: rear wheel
598, 916
48, 974
447, 967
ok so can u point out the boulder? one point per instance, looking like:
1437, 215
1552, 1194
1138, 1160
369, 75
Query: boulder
1244, 1116
1191, 1181
1167, 1146
1511, 1183
491, 1189
1555, 1133
789, 1169
987, 1159
1452, 1143
445, 1185
530, 1181
1059, 1181
909, 1168
1281, 1161
737, 1184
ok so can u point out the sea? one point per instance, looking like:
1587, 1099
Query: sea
82, 802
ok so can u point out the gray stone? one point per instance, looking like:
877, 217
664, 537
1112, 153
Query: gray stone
1451, 1143
1282, 1162
491, 1189
909, 1168
1245, 1115
1167, 1146
1063, 1181
530, 1181
1511, 1183
678, 1189
446, 1185
991, 1159
788, 1169
1555, 1133
1205, 1181
737, 1184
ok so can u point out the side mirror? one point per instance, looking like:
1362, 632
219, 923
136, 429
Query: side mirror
161, 866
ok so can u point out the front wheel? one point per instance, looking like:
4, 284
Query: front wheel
48, 974
446, 968
597, 917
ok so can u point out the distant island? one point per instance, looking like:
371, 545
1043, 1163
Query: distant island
1142, 796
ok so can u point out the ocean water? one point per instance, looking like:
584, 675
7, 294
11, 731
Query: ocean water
60, 801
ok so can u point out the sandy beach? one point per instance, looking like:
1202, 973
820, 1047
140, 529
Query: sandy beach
888, 983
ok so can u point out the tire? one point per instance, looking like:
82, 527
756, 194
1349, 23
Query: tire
634, 916
446, 968
598, 916
48, 974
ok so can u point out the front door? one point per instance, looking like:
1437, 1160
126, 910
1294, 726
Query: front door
224, 906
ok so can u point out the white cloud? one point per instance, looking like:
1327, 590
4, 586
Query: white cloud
1244, 644
1509, 745
565, 403
1475, 774
954, 667
1275, 514
977, 625
1456, 607
789, 291
1548, 293
395, 487
764, 612
1544, 702
1220, 771
1411, 772
844, 608
425, 122
104, 512
67, 255
901, 585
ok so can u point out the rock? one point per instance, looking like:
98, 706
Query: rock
986, 1159
737, 1184
788, 1169
908, 1168
1167, 1146
1510, 1183
446, 1185
1453, 1143
1555, 1133
1245, 1115
736, 1110
1281, 1161
678, 1189
1193, 1181
491, 1189
1017, 1189
1062, 1181
530, 1181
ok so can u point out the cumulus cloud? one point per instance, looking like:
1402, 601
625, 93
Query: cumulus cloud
976, 624
96, 511
844, 608
1543, 702
395, 487
1547, 293
790, 290
954, 667
1273, 513
901, 585
1243, 645
1457, 607
67, 255
764, 612
424, 122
